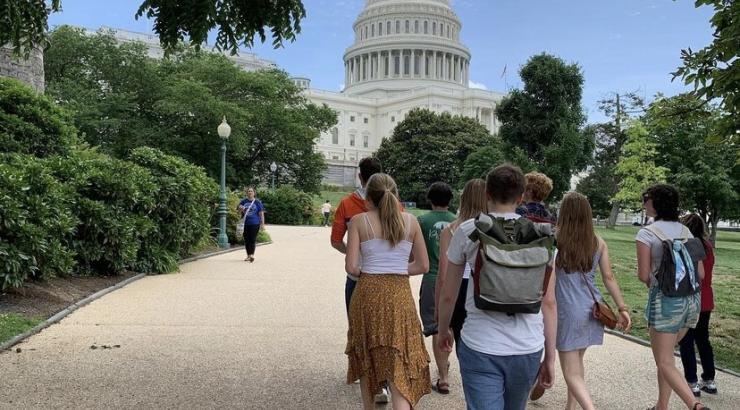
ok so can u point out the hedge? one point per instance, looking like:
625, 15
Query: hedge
35, 219
31, 123
287, 206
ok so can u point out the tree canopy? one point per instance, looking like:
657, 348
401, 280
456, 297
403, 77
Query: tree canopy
714, 70
120, 99
701, 168
541, 125
24, 23
427, 147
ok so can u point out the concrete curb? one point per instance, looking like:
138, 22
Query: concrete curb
97, 295
646, 343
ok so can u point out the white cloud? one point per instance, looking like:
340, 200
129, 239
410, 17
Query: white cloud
479, 86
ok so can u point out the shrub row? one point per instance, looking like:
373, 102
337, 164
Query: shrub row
67, 209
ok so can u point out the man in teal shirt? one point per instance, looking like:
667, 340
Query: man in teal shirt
432, 224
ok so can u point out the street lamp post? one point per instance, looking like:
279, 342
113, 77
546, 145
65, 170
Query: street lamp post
273, 168
224, 130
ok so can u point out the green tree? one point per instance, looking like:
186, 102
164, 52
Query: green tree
121, 100
636, 167
541, 124
427, 147
24, 23
602, 182
714, 70
698, 165
481, 161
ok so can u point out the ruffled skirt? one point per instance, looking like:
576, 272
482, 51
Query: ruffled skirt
384, 341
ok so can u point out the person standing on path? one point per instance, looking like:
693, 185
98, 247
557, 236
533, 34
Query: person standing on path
580, 252
351, 205
326, 210
700, 335
384, 341
668, 318
253, 213
432, 224
499, 353
472, 203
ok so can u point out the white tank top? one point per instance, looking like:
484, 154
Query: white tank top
380, 256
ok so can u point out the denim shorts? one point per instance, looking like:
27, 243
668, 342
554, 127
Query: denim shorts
670, 314
497, 382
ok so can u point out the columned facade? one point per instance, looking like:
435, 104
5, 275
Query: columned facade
407, 54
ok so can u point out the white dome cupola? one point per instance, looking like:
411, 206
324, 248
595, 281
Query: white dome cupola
404, 44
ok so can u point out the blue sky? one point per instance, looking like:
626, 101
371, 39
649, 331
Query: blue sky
623, 45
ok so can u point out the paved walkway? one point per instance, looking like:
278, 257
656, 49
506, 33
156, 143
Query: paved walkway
224, 333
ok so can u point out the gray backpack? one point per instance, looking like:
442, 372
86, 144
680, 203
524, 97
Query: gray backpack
513, 264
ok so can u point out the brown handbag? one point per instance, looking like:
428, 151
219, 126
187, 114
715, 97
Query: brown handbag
601, 310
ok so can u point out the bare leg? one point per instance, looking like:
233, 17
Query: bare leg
442, 360
367, 397
669, 378
572, 365
399, 402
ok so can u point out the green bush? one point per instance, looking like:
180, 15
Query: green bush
183, 203
113, 200
287, 206
34, 220
30, 123
263, 236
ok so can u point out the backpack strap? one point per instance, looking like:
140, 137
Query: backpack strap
657, 232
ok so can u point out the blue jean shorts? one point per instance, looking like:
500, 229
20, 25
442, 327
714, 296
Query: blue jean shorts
497, 382
671, 314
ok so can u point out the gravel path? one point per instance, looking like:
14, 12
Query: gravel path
224, 333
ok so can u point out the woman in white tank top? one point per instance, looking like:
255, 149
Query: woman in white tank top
385, 344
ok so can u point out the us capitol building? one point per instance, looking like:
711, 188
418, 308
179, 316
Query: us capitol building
406, 54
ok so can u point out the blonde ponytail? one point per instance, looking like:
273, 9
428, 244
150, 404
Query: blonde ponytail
382, 191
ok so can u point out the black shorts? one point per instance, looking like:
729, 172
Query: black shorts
426, 306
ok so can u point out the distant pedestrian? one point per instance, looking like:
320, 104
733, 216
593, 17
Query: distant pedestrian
432, 224
384, 341
669, 316
326, 210
700, 334
253, 213
580, 252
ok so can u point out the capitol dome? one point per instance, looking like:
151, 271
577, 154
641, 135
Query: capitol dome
404, 44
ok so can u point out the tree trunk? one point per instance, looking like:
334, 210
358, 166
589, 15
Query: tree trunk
612, 221
29, 71
714, 221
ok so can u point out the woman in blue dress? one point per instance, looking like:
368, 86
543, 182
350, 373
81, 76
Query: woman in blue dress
580, 252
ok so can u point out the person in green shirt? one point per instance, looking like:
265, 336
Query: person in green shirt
432, 224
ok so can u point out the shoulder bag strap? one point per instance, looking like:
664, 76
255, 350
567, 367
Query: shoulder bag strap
593, 295
657, 232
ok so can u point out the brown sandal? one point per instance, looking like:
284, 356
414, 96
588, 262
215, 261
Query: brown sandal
703, 407
442, 387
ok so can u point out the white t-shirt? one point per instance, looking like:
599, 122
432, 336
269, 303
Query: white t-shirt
326, 208
670, 229
485, 331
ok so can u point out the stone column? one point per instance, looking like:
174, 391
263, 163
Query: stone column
412, 69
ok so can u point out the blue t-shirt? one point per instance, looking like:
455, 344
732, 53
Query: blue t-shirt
253, 211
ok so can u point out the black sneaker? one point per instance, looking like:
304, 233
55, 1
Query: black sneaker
708, 386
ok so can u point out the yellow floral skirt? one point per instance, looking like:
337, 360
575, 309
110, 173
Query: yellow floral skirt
384, 341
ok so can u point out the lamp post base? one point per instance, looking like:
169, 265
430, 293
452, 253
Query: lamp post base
223, 241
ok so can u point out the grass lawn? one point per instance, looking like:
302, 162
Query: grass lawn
725, 322
335, 197
12, 324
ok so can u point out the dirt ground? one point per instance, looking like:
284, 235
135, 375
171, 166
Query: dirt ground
42, 299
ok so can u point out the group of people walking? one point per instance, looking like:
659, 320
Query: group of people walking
507, 330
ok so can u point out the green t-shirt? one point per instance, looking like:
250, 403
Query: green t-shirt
432, 224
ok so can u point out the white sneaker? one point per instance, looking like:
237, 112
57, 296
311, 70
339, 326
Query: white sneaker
708, 386
695, 388
383, 396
